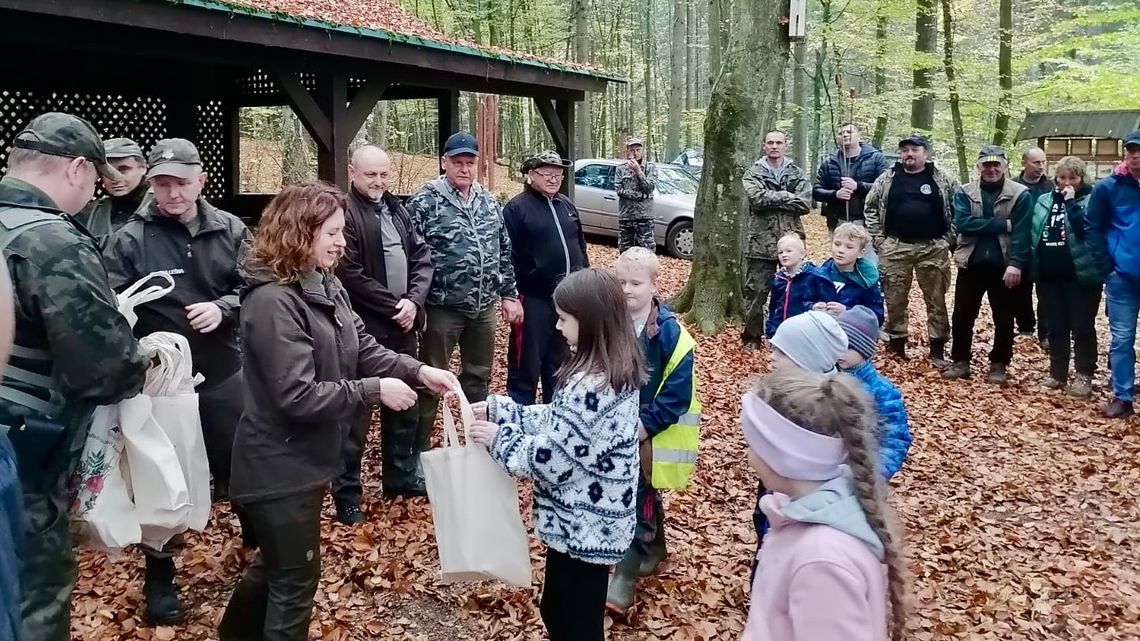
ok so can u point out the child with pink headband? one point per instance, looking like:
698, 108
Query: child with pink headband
831, 563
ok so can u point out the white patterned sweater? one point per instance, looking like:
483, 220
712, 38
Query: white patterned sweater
581, 451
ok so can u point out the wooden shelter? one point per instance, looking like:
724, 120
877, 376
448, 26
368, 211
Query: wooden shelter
150, 69
1094, 136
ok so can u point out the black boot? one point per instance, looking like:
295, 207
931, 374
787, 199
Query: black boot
938, 352
657, 553
623, 584
162, 604
897, 347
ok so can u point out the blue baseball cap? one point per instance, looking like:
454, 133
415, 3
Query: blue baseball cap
1132, 138
460, 143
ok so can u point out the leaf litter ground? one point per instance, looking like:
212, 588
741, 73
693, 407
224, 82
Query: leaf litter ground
1021, 509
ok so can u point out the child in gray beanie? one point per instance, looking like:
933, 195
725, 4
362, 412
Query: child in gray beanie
813, 341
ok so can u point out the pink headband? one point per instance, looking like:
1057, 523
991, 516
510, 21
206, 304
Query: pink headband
790, 450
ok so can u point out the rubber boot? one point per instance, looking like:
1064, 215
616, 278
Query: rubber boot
938, 353
162, 604
623, 583
897, 347
656, 555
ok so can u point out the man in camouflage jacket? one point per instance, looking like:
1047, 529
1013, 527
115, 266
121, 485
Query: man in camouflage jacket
635, 181
909, 214
73, 349
463, 227
779, 194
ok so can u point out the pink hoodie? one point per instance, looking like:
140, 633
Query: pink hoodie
820, 577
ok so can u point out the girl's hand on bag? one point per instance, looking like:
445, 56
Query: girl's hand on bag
479, 410
396, 394
482, 432
439, 381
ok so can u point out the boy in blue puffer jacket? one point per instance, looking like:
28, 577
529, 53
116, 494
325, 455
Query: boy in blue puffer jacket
796, 286
894, 437
856, 278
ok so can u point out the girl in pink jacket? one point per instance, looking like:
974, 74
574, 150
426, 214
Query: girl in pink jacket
831, 567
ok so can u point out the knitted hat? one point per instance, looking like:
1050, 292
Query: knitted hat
813, 340
862, 329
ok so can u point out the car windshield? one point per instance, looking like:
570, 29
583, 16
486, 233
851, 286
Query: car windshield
672, 181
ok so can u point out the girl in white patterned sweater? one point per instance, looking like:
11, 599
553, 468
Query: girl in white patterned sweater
581, 450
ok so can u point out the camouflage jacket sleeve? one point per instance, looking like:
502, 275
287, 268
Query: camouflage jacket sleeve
759, 196
417, 210
65, 290
873, 210
950, 186
800, 186
648, 179
507, 287
118, 257
629, 185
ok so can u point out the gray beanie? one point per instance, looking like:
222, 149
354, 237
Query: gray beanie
813, 340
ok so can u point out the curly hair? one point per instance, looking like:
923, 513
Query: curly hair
839, 406
284, 239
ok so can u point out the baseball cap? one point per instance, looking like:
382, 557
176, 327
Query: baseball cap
1132, 138
544, 159
176, 157
991, 153
123, 148
634, 141
916, 139
460, 143
60, 134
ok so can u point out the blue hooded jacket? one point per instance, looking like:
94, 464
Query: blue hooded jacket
658, 340
792, 295
859, 287
1112, 223
894, 427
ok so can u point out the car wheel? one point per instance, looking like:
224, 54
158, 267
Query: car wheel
679, 240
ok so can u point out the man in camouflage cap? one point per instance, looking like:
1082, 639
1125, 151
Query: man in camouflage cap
178, 232
73, 349
471, 252
105, 216
635, 181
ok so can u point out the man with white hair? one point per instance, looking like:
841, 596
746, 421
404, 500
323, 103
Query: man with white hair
386, 271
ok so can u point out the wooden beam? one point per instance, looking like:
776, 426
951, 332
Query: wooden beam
564, 109
448, 117
308, 111
233, 142
332, 98
553, 122
363, 103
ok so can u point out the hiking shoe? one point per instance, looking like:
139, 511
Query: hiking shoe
938, 353
997, 374
349, 513
956, 371
750, 345
1118, 409
1052, 383
1081, 387
897, 347
623, 583
163, 606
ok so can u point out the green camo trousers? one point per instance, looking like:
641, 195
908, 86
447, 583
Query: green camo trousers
928, 262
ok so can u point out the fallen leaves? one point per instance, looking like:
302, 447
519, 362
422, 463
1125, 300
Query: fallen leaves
1022, 511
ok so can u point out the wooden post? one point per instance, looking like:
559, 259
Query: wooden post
564, 108
447, 108
332, 157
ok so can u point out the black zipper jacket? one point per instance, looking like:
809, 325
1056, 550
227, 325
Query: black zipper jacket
547, 242
205, 269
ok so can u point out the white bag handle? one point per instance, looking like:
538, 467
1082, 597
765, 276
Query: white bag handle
467, 415
174, 372
132, 297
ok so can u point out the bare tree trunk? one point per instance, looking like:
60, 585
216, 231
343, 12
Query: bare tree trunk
584, 125
676, 80
799, 97
296, 154
648, 60
1005, 70
690, 72
925, 41
880, 72
716, 36
743, 104
952, 81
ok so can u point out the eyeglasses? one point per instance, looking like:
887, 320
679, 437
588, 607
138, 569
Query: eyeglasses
552, 175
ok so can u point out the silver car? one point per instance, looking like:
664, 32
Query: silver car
673, 203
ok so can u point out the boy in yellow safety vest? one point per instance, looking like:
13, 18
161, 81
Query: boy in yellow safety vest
669, 418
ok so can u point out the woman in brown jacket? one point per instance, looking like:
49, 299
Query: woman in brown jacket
310, 369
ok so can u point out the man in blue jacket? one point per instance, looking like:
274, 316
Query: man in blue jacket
1112, 224
845, 177
547, 244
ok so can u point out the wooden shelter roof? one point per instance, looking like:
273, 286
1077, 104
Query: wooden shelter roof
1079, 124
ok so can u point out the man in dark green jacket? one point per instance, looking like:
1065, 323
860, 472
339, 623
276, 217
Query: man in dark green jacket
124, 197
989, 214
73, 349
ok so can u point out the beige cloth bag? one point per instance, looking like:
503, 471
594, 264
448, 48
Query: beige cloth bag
475, 508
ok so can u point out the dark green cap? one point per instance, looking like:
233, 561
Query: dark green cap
991, 153
123, 148
60, 134
544, 159
176, 157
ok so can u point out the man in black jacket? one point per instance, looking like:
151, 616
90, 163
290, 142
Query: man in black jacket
386, 271
845, 177
178, 232
1033, 177
547, 243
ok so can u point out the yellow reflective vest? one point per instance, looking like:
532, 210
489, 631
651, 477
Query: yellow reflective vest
675, 447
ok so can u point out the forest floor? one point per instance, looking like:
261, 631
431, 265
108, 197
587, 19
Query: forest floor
1021, 509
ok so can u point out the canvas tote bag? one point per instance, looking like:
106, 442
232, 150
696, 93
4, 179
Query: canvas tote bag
475, 508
